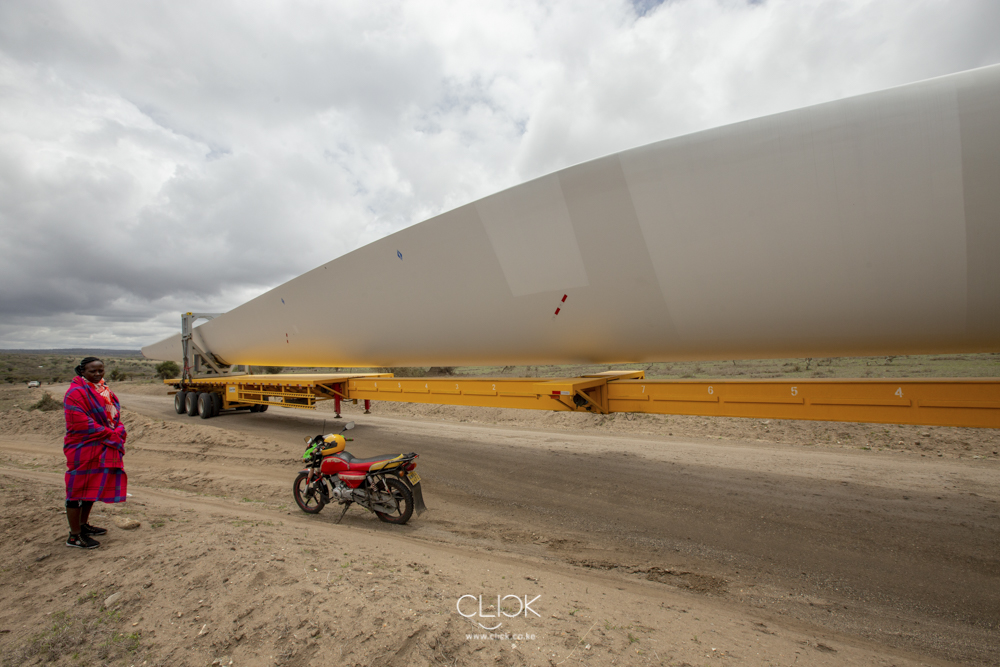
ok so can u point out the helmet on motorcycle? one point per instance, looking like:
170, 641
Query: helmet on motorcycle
332, 444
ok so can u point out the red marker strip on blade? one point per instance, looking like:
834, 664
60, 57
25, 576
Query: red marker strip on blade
562, 300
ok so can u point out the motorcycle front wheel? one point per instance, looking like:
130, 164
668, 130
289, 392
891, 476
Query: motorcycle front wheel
403, 497
306, 498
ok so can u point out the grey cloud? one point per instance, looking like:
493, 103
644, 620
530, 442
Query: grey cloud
643, 7
163, 157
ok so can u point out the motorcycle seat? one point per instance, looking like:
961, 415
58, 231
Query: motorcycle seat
349, 458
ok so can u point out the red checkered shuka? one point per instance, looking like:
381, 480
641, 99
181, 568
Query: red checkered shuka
94, 444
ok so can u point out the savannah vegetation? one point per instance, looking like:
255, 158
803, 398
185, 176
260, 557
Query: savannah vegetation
911, 366
53, 367
57, 366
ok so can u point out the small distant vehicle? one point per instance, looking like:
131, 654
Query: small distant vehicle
33, 384
386, 485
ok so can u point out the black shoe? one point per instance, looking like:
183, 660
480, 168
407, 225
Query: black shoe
87, 529
82, 541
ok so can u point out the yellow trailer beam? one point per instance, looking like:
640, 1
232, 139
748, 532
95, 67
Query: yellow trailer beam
505, 392
937, 402
974, 402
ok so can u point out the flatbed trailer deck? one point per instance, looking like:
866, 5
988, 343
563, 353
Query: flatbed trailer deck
932, 402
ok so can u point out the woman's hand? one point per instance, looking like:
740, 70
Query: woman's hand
115, 438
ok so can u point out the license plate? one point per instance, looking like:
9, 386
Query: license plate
413, 477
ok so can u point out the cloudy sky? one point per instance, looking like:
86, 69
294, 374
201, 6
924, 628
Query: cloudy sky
160, 157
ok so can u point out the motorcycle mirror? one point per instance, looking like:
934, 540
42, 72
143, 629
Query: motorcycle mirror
348, 426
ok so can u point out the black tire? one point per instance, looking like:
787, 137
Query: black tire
263, 408
205, 405
180, 402
403, 497
254, 408
192, 403
310, 503
216, 404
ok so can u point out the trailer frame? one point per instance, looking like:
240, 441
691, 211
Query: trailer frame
967, 402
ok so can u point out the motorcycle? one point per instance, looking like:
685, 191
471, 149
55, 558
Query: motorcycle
386, 485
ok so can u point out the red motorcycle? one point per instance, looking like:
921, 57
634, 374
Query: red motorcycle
386, 485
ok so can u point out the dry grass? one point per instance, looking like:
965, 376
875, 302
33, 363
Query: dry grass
88, 636
47, 404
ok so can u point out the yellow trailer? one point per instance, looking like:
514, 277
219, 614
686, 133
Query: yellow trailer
933, 402
208, 395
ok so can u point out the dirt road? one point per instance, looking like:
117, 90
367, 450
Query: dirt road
894, 555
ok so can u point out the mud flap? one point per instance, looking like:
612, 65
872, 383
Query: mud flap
418, 499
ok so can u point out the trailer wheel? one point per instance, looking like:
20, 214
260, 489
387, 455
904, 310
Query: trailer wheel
216, 404
192, 403
263, 408
205, 405
180, 402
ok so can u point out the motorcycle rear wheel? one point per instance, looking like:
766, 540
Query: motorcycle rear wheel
404, 502
310, 503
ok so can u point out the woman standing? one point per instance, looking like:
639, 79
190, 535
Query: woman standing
94, 446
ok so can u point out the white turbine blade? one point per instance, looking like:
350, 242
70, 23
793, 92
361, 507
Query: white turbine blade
865, 226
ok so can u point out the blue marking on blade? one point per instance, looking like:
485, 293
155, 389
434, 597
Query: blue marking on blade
282, 301
399, 254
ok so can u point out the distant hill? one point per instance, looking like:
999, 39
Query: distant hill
80, 352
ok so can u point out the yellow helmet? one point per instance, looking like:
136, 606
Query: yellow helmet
333, 444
